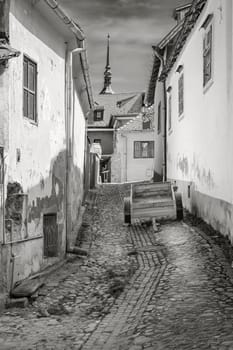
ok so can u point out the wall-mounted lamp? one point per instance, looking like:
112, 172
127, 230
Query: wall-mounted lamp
7, 52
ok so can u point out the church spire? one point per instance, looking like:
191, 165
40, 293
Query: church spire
107, 89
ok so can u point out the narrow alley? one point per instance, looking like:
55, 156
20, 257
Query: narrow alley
136, 290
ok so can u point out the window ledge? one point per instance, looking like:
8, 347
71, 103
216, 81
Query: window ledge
208, 86
30, 121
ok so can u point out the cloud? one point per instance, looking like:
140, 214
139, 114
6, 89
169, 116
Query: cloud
134, 25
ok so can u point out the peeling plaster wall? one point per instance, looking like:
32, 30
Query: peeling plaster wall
200, 142
41, 170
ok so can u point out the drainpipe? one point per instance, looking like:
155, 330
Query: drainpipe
160, 57
70, 115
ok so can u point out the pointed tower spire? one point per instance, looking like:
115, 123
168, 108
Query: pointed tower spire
107, 89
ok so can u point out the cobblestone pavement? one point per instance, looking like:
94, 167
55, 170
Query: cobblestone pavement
180, 297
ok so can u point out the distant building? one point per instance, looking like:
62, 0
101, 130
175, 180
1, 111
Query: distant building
198, 80
133, 155
46, 97
111, 111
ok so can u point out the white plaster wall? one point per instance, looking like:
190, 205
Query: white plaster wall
199, 146
39, 144
140, 169
42, 167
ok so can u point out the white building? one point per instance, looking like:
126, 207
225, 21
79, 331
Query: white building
45, 98
197, 77
133, 154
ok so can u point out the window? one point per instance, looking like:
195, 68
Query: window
169, 111
181, 94
159, 118
98, 115
143, 149
29, 89
207, 55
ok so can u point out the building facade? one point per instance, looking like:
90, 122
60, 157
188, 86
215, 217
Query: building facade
45, 100
197, 75
134, 156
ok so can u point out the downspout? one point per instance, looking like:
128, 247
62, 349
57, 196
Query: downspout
67, 125
160, 57
70, 116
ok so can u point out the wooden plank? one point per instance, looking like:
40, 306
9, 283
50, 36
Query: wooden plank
153, 199
151, 212
156, 205
154, 193
152, 187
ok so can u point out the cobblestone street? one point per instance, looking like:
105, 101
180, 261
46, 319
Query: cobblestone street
137, 290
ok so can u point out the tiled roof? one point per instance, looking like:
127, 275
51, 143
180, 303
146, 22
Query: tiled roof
170, 37
118, 104
136, 123
179, 33
189, 22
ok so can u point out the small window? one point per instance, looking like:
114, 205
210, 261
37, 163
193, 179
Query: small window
98, 115
169, 111
207, 55
159, 118
143, 149
181, 94
29, 89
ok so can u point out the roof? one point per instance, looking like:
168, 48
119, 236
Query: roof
68, 22
134, 125
182, 8
118, 105
189, 22
177, 38
170, 37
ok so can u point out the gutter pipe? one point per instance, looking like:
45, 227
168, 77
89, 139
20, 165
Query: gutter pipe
160, 57
74, 27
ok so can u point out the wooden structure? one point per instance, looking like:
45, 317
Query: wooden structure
151, 201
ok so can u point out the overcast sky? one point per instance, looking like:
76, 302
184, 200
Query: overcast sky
134, 25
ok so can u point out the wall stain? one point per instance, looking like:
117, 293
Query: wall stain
183, 165
204, 176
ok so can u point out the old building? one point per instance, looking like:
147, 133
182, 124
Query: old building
196, 76
133, 154
111, 111
45, 100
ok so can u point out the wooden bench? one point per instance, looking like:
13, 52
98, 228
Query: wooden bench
156, 201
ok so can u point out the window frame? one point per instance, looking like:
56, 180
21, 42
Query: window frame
140, 156
181, 94
207, 54
159, 121
26, 88
169, 111
101, 111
